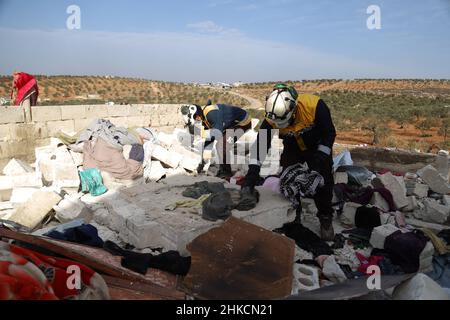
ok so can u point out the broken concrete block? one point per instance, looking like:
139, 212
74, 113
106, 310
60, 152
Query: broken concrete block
426, 258
349, 213
190, 160
434, 180
333, 271
412, 205
155, 172
6, 205
379, 202
17, 167
21, 195
420, 190
306, 278
436, 212
446, 200
28, 180
77, 158
31, 213
6, 188
70, 209
341, 177
170, 158
396, 187
57, 167
379, 235
420, 287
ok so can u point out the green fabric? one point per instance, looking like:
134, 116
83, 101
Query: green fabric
92, 182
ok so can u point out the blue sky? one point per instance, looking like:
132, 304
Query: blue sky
227, 40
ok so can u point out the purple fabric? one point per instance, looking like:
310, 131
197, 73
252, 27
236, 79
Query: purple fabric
363, 196
137, 153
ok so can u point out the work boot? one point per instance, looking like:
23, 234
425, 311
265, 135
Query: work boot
326, 231
224, 171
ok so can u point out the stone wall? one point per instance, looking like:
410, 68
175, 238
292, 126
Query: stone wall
18, 138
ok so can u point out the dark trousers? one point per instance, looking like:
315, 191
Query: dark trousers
223, 145
324, 196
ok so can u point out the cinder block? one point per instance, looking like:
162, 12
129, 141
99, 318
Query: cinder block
66, 126
379, 235
6, 188
349, 213
11, 115
21, 195
70, 209
412, 205
5, 133
96, 112
397, 188
16, 167
46, 113
73, 112
307, 277
341, 177
436, 212
31, 180
420, 190
379, 202
426, 258
118, 110
434, 180
81, 124
170, 158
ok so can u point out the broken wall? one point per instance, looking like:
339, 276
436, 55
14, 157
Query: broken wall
18, 138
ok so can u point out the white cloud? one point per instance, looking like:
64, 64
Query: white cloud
211, 27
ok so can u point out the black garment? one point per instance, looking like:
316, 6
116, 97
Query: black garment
405, 249
445, 234
306, 239
170, 261
367, 218
217, 206
85, 234
203, 187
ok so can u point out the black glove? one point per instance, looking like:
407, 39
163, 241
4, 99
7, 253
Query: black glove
252, 178
319, 161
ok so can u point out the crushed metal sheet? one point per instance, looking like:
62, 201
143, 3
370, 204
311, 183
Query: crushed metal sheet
239, 260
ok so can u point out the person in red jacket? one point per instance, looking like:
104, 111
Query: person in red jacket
25, 89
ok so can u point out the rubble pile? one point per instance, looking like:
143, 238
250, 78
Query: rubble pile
396, 222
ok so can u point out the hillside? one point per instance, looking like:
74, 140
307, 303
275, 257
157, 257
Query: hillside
64, 90
408, 114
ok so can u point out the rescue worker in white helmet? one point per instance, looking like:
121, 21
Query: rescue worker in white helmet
308, 133
218, 118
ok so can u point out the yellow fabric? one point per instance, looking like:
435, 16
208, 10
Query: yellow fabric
206, 110
246, 121
305, 115
438, 243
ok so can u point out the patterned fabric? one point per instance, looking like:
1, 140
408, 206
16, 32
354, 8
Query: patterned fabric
299, 181
28, 275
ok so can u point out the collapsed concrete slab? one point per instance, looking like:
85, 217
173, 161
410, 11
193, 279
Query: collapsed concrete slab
434, 180
140, 217
21, 195
6, 188
31, 213
426, 258
379, 202
17, 167
170, 158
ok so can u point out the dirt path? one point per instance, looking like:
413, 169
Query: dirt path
254, 103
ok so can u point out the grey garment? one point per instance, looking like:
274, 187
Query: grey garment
441, 270
116, 137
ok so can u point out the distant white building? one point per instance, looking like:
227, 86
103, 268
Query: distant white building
238, 84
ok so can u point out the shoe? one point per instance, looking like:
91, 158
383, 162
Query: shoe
327, 232
224, 172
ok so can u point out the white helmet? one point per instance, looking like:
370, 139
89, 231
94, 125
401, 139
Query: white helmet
189, 113
280, 105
